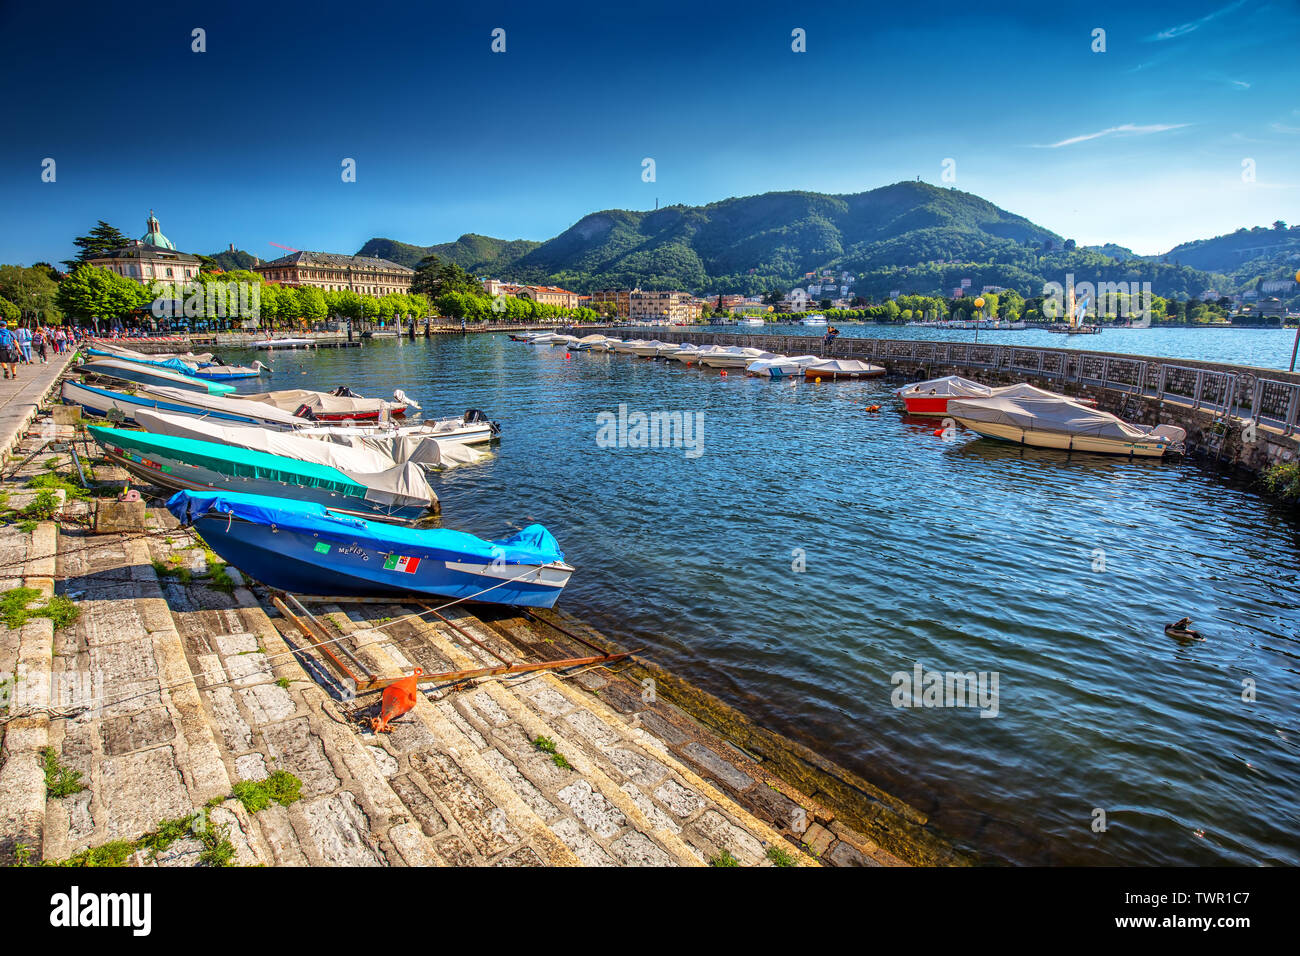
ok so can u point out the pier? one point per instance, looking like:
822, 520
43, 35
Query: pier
1214, 402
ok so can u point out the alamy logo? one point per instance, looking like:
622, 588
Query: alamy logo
651, 430
921, 688
74, 909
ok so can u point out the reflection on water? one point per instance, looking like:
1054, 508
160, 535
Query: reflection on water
1057, 571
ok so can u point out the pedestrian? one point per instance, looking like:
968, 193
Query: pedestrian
43, 344
9, 353
24, 336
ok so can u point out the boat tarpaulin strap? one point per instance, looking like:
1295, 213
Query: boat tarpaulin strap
532, 545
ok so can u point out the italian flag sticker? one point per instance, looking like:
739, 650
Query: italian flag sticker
400, 562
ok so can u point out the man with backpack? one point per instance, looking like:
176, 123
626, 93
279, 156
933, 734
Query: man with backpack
9, 354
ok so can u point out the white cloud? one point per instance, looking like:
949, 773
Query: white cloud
1128, 129
1192, 25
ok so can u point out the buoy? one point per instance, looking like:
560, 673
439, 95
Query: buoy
724, 373
817, 380
399, 697
566, 354
938, 433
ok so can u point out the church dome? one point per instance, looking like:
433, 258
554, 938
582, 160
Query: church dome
154, 236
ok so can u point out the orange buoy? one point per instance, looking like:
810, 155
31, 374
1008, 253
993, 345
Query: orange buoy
566, 355
817, 380
938, 433
399, 697
724, 373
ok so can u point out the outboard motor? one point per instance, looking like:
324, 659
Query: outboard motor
474, 415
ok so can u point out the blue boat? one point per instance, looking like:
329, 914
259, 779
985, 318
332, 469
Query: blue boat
141, 373
101, 402
309, 549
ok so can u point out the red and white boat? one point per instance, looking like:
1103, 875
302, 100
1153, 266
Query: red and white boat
931, 397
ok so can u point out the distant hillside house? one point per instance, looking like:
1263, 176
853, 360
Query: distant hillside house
150, 259
331, 272
1277, 285
661, 306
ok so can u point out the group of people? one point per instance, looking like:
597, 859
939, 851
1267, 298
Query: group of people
20, 345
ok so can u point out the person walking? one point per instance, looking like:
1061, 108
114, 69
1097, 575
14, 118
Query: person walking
24, 337
9, 353
43, 345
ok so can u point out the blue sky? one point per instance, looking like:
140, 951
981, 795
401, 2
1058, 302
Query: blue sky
1141, 145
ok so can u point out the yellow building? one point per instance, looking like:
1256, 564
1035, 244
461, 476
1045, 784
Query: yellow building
331, 272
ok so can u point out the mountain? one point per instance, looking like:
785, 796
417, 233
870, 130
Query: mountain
228, 260
472, 252
911, 236
1246, 256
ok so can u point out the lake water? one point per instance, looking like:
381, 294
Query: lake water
1263, 348
1055, 572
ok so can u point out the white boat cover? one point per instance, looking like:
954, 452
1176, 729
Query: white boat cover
389, 481
320, 403
1034, 409
419, 445
950, 386
844, 367
217, 403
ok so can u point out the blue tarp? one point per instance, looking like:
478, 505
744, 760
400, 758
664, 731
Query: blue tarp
533, 545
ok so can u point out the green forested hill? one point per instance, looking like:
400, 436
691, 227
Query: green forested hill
471, 252
911, 236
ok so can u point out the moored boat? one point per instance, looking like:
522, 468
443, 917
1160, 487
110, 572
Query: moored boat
931, 397
842, 368
735, 357
1032, 416
124, 370
312, 549
284, 343
781, 366
180, 464
229, 373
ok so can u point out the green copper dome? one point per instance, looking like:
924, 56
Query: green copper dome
154, 236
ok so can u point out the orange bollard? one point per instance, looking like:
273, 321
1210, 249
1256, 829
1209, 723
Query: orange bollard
399, 697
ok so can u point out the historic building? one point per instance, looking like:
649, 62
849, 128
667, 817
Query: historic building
544, 294
662, 306
150, 259
333, 273
621, 299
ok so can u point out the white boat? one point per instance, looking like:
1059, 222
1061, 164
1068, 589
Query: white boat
650, 349
689, 353
842, 368
669, 349
1032, 416
781, 366
626, 348
752, 321
286, 343
735, 357
589, 343
126, 370
562, 339
227, 373
817, 320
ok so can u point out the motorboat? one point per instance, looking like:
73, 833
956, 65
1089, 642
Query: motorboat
123, 370
842, 368
735, 357
751, 321
309, 548
931, 396
1032, 416
651, 349
814, 320
229, 373
400, 493
781, 366
115, 404
340, 405
284, 343
626, 348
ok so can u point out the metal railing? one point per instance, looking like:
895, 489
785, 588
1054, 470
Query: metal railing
1270, 399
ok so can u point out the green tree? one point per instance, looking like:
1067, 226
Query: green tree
101, 239
93, 292
33, 290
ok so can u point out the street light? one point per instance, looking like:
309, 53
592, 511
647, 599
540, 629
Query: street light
979, 304
1297, 328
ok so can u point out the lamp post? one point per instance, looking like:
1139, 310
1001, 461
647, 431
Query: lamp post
1297, 329
979, 306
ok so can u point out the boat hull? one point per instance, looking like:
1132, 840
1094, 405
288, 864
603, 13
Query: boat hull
177, 475
124, 371
927, 405
1038, 438
99, 402
814, 374
294, 561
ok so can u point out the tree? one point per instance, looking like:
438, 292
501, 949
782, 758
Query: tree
103, 238
94, 292
33, 290
8, 311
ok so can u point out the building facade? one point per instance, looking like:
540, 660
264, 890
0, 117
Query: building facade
619, 298
152, 258
662, 307
331, 272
